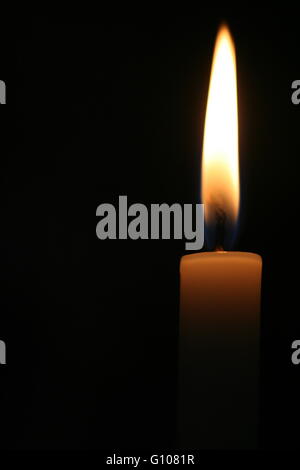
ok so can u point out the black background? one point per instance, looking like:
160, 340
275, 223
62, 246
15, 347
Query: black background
116, 107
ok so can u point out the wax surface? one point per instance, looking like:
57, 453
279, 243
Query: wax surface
219, 350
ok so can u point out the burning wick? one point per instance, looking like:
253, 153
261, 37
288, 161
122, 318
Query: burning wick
220, 215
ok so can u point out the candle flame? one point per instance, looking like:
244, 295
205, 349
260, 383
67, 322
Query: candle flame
220, 165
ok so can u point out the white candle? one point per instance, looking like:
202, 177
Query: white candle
219, 350
220, 291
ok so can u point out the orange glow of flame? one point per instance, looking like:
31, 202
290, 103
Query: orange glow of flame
220, 166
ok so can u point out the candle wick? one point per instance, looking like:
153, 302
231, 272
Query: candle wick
220, 228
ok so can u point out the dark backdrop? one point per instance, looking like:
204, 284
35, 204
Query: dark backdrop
116, 106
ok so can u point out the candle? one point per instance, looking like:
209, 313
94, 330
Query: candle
220, 290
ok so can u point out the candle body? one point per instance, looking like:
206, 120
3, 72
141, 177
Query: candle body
219, 350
